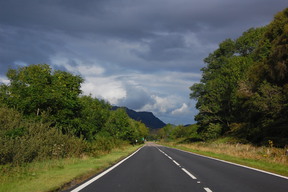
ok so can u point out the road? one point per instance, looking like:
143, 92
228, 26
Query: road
160, 169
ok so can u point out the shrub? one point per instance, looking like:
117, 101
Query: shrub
23, 141
212, 132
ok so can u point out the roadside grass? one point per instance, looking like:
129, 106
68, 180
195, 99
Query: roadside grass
269, 159
56, 175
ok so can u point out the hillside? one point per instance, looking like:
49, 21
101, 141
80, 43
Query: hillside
148, 118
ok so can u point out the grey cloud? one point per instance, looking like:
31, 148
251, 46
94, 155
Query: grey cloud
136, 97
24, 46
165, 48
124, 37
133, 19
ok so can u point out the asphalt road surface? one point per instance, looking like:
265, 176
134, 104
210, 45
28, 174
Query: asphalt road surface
160, 169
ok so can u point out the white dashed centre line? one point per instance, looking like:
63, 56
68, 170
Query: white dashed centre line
176, 163
183, 169
188, 173
207, 189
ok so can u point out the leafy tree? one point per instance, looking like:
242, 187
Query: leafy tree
118, 124
249, 41
216, 95
244, 86
267, 100
277, 34
93, 116
36, 89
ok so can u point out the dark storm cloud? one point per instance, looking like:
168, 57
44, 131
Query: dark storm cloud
165, 48
134, 19
157, 45
24, 46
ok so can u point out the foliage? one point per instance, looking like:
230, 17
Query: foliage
24, 141
43, 116
58, 174
120, 126
165, 132
36, 89
93, 116
243, 90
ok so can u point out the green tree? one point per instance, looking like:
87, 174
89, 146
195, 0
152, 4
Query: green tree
244, 86
249, 41
217, 93
265, 93
36, 89
93, 116
118, 124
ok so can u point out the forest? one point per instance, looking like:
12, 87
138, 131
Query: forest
43, 115
243, 91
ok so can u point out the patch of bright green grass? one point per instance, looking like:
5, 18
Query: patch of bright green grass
54, 174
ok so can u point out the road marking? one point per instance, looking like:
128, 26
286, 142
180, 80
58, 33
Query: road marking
102, 174
176, 163
239, 165
207, 189
183, 169
188, 173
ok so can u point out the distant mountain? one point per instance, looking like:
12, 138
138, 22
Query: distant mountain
148, 118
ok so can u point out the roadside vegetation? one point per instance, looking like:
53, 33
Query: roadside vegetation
44, 118
265, 157
242, 101
58, 174
244, 87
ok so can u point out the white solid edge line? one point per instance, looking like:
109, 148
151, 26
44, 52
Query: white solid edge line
207, 189
188, 173
103, 173
239, 165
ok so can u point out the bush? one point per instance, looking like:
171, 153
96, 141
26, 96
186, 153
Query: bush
212, 132
23, 141
104, 144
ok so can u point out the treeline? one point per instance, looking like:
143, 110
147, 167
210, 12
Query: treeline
43, 115
244, 87
182, 133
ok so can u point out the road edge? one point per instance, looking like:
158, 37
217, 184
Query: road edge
98, 176
231, 163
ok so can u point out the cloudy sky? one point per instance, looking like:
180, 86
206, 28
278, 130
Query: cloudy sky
143, 54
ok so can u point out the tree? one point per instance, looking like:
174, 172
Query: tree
217, 93
93, 116
265, 93
244, 86
118, 124
249, 41
36, 89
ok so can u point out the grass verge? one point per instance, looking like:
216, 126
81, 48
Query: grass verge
249, 156
55, 175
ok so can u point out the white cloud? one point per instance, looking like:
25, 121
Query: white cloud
161, 105
4, 80
107, 88
90, 70
182, 110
